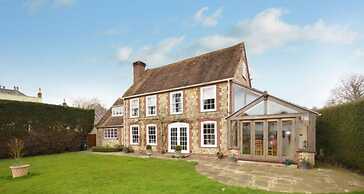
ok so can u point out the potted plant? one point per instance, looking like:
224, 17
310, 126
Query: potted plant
178, 151
16, 147
149, 150
304, 164
233, 158
219, 155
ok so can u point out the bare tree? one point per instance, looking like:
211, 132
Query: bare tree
349, 90
93, 104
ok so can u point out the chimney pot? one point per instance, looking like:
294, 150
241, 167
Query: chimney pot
138, 70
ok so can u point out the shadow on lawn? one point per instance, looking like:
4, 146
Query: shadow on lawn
10, 178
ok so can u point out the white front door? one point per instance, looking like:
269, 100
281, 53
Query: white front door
178, 134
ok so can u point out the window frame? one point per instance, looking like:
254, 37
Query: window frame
171, 108
202, 99
156, 134
147, 106
202, 134
109, 133
131, 108
117, 115
131, 135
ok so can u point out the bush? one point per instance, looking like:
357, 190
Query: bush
105, 149
128, 149
340, 135
44, 128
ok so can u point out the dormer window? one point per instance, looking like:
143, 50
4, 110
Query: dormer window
117, 111
208, 98
134, 107
151, 105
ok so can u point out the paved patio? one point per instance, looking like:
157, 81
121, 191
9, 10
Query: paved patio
272, 177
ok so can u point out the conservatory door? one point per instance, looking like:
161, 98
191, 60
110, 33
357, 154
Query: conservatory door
178, 134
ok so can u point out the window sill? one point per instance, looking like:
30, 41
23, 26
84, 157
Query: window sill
176, 113
210, 110
208, 146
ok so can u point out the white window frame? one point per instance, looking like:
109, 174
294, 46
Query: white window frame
115, 113
131, 108
109, 133
171, 108
202, 134
202, 99
131, 135
148, 105
156, 134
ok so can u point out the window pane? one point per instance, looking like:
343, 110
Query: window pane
208, 135
259, 138
272, 138
246, 138
152, 135
287, 146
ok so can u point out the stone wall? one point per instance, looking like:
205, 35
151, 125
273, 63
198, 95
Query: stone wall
191, 115
101, 141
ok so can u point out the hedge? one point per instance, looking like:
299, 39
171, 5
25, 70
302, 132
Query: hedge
340, 134
44, 128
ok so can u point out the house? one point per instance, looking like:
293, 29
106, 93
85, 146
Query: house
207, 104
110, 126
16, 95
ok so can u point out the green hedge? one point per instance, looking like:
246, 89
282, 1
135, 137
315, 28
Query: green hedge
44, 128
340, 134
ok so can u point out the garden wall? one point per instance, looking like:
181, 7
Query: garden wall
44, 128
340, 134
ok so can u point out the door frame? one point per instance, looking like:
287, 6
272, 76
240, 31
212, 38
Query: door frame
178, 125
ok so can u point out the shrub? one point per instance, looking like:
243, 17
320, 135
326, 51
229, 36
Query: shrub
340, 135
44, 128
119, 147
128, 149
104, 149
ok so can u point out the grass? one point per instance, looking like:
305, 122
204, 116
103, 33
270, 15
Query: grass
88, 173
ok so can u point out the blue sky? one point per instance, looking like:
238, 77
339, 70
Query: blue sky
84, 49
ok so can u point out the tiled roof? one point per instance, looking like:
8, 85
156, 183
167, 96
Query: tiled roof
108, 120
213, 66
11, 92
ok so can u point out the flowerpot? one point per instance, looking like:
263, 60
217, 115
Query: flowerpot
178, 154
19, 171
149, 152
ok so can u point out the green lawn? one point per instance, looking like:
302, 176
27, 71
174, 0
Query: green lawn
89, 173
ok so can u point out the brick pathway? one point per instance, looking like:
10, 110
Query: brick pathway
272, 177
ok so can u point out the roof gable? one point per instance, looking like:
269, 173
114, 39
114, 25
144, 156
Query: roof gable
274, 106
218, 65
108, 120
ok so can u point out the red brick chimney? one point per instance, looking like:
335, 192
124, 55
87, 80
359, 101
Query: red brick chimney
138, 70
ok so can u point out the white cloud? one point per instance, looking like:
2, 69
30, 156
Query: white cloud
154, 55
268, 30
124, 53
207, 20
213, 42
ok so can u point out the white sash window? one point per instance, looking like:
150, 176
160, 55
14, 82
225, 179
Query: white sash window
208, 98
